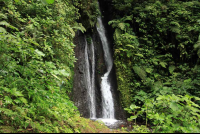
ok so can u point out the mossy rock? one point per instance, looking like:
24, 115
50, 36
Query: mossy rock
7, 129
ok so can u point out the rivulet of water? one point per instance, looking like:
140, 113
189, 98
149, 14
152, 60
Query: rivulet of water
90, 81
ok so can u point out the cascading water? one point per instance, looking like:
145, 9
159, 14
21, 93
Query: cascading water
107, 98
107, 103
90, 82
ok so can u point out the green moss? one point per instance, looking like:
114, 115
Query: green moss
7, 129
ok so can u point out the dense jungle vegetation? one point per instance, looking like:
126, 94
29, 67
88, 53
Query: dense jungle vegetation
36, 65
156, 52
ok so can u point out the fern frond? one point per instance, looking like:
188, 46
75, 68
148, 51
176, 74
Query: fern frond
3, 16
112, 22
175, 23
140, 72
175, 29
121, 26
4, 23
163, 64
171, 68
127, 18
80, 27
2, 30
117, 34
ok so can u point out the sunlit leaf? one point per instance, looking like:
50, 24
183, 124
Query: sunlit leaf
2, 30
48, 1
39, 52
163, 64
174, 106
187, 80
140, 55
148, 70
23, 100
16, 93
133, 117
134, 107
8, 100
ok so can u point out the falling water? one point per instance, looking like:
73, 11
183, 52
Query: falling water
93, 82
107, 99
108, 111
90, 82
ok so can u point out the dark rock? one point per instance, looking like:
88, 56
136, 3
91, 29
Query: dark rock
79, 94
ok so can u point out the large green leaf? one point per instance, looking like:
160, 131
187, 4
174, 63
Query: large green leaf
48, 1
171, 69
140, 55
64, 72
163, 64
148, 70
174, 106
134, 107
38, 52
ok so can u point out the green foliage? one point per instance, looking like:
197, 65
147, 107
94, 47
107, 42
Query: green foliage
140, 72
156, 54
140, 129
36, 65
170, 113
153, 41
89, 11
48, 1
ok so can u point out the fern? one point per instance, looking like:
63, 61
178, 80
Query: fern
127, 18
172, 68
114, 23
140, 72
175, 29
2, 30
4, 23
117, 33
121, 26
3, 16
80, 27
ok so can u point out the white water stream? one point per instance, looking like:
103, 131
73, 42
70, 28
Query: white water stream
108, 111
90, 82
107, 99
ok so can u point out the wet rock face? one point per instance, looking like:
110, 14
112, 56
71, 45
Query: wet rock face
79, 87
79, 95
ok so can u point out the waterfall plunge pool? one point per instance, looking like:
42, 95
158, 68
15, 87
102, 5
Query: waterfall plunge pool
111, 123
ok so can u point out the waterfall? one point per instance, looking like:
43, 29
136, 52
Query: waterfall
107, 99
90, 83
95, 100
